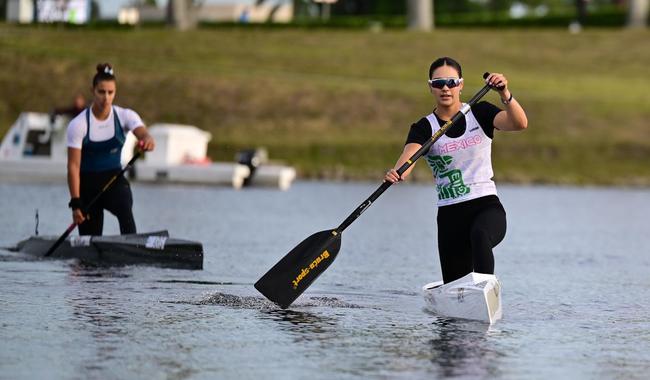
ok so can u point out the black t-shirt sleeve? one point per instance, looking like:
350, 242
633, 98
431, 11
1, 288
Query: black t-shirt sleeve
485, 112
420, 132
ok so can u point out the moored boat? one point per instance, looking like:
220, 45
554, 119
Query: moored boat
476, 296
153, 248
35, 150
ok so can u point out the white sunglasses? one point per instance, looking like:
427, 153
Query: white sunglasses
442, 82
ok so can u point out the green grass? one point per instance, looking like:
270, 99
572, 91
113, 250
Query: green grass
338, 103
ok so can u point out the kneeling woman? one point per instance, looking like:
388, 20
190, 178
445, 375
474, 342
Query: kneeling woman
95, 138
471, 219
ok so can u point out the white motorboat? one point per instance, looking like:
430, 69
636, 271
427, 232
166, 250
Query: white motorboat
34, 149
476, 296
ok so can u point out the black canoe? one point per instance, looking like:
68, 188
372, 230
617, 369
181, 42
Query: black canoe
152, 248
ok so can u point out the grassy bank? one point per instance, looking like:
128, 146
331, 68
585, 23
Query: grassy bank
338, 104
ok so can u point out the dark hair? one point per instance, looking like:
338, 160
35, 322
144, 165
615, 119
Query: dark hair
445, 61
104, 72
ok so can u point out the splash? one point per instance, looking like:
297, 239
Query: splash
329, 302
261, 303
237, 302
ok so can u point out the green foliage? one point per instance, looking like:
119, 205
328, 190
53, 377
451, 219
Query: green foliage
464, 13
604, 17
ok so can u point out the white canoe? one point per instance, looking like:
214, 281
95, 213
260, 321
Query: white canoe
476, 296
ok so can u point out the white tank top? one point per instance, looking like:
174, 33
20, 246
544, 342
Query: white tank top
462, 166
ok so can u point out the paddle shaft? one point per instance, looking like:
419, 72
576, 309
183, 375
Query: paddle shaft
87, 207
423, 150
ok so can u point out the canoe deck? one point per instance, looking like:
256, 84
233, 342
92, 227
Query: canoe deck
476, 296
152, 248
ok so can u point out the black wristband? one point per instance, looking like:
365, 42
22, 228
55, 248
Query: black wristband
506, 102
75, 203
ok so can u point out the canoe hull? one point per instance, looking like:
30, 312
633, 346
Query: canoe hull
153, 248
476, 296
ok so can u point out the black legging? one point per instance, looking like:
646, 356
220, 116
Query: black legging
467, 232
117, 199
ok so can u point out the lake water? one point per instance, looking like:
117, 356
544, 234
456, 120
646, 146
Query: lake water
575, 269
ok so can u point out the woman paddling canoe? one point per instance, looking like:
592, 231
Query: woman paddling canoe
471, 220
95, 138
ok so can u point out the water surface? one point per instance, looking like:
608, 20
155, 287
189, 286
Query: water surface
574, 266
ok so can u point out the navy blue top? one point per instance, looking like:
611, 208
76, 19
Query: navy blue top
99, 156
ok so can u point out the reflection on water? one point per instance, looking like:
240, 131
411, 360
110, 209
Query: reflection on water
105, 309
464, 348
297, 318
302, 325
98, 313
82, 270
199, 282
453, 347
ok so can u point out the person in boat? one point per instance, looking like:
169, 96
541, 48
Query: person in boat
78, 105
95, 138
471, 220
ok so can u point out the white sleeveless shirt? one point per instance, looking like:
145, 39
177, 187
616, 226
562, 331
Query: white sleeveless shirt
462, 166
100, 130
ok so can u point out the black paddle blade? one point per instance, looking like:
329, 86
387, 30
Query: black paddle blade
293, 274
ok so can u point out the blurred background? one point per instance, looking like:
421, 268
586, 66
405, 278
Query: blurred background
332, 87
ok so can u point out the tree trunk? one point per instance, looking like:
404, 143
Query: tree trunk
180, 14
420, 14
581, 7
325, 11
637, 15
